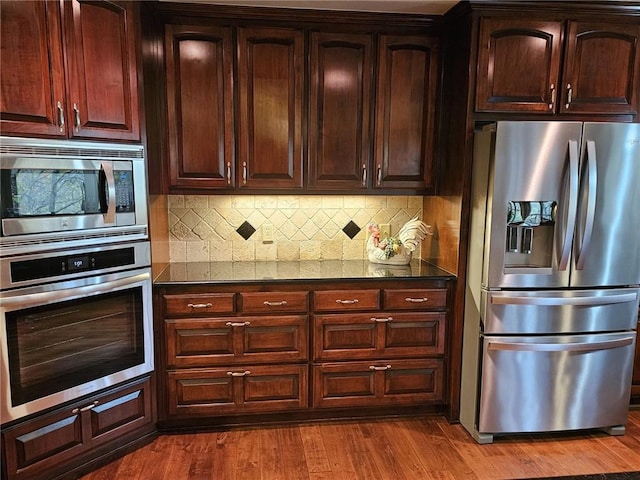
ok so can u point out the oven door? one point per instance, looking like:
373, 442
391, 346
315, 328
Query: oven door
61, 341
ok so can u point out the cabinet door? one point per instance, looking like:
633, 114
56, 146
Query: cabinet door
408, 71
199, 66
601, 69
377, 383
383, 335
42, 447
518, 65
32, 100
102, 72
270, 83
236, 390
339, 111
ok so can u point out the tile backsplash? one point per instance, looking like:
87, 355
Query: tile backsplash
310, 227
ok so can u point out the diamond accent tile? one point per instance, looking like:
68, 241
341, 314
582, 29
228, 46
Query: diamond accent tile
246, 230
351, 229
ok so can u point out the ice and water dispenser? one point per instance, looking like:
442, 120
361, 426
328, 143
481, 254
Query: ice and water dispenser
530, 234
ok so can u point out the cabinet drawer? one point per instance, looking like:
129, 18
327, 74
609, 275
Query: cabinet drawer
415, 299
216, 341
360, 336
278, 302
199, 304
237, 390
377, 383
339, 300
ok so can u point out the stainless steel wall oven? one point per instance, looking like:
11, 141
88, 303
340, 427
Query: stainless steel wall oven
75, 277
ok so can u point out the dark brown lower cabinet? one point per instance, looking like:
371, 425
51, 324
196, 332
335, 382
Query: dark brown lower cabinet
75, 435
236, 390
378, 383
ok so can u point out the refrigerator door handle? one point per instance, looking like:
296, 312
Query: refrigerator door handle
560, 301
573, 205
560, 347
583, 248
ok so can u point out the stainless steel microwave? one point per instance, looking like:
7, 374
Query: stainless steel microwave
78, 193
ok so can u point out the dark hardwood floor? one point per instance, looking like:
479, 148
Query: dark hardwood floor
426, 448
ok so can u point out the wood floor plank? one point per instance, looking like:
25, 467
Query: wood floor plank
422, 448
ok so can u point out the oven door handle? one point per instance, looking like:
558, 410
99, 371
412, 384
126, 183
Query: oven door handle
101, 285
560, 347
108, 197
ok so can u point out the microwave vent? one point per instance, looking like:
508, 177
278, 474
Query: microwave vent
68, 149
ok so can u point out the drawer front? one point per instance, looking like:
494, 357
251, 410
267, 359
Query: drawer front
415, 299
341, 300
378, 383
388, 335
274, 302
217, 341
237, 390
199, 304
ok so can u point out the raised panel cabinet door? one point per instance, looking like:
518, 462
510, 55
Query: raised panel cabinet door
32, 100
601, 69
339, 111
200, 112
518, 65
270, 90
408, 71
102, 69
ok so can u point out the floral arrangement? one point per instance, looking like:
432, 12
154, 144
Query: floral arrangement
389, 245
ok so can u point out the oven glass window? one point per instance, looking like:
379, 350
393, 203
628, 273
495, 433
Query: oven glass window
43, 192
62, 345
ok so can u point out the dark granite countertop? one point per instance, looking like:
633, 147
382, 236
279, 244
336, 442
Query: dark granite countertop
306, 270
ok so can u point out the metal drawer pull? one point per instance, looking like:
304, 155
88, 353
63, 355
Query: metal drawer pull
416, 300
238, 324
77, 116
228, 173
347, 302
561, 347
200, 305
275, 304
84, 409
239, 374
569, 95
388, 319
553, 96
373, 367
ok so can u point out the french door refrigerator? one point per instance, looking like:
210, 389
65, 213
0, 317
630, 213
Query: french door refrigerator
553, 278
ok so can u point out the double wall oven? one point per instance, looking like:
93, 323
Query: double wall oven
75, 277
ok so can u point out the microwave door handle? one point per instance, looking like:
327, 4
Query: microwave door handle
110, 213
560, 347
583, 249
573, 205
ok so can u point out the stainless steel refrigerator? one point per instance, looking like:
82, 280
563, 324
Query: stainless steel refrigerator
553, 278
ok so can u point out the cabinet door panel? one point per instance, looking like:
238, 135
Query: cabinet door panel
339, 111
237, 390
518, 65
602, 68
378, 383
102, 70
200, 106
199, 341
273, 339
343, 300
270, 69
32, 69
405, 111
274, 302
415, 299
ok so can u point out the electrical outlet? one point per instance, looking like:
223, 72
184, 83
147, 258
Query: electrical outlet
267, 233
385, 230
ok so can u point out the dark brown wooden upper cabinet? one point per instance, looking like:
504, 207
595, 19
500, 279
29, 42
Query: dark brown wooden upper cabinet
407, 85
339, 111
601, 68
100, 97
518, 65
33, 95
199, 69
270, 94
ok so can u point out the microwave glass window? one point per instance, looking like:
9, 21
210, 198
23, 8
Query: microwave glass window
43, 192
59, 346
